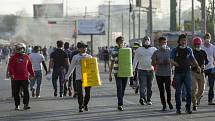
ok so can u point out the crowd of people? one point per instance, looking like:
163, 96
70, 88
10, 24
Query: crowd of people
184, 67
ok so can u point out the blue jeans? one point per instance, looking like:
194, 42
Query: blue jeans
145, 82
121, 83
38, 80
58, 72
211, 79
186, 79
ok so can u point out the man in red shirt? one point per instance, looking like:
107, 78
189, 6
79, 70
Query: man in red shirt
19, 67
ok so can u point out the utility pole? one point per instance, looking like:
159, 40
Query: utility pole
179, 15
129, 21
139, 23
133, 18
203, 28
172, 15
109, 23
85, 13
122, 25
193, 19
150, 19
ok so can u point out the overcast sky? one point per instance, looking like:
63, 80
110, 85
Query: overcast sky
74, 6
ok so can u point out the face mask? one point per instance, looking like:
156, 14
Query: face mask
207, 40
164, 46
182, 47
198, 48
147, 42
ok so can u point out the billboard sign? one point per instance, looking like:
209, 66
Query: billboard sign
48, 10
91, 27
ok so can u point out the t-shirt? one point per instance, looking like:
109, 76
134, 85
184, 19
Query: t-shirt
76, 64
59, 57
201, 58
210, 54
115, 60
183, 57
37, 60
162, 55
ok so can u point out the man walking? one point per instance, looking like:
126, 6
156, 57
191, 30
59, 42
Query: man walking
19, 68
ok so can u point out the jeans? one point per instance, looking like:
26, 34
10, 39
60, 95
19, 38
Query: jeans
211, 79
58, 72
38, 79
121, 83
18, 84
164, 83
145, 82
186, 79
82, 101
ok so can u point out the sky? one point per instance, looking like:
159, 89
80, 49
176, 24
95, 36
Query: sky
74, 6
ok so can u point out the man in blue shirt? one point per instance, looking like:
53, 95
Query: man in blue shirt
182, 57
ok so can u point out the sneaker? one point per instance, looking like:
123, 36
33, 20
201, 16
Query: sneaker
81, 110
149, 103
136, 90
178, 111
75, 95
26, 107
61, 95
85, 108
120, 108
141, 101
38, 96
170, 106
17, 107
194, 108
188, 111
211, 103
164, 108
55, 94
33, 92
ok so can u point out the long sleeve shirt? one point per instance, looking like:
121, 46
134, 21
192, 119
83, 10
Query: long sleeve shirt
142, 57
20, 66
76, 64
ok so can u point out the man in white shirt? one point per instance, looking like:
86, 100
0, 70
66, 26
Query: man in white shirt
37, 60
76, 64
209, 68
145, 70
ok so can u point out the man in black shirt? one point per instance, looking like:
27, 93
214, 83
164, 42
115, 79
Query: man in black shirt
198, 78
59, 62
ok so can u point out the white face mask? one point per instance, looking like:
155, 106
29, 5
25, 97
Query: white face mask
207, 40
182, 47
198, 48
147, 43
164, 46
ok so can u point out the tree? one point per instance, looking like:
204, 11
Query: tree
10, 22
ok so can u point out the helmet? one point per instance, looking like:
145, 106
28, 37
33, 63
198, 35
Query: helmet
197, 41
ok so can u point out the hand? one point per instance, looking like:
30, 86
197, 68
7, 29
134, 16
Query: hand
176, 64
199, 69
110, 78
12, 77
31, 77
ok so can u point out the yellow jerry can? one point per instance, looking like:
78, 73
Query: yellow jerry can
90, 72
125, 63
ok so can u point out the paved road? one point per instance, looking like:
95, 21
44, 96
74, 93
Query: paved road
102, 106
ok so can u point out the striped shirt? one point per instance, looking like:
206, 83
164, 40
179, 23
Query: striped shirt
115, 60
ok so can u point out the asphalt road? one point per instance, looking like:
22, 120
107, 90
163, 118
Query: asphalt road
102, 106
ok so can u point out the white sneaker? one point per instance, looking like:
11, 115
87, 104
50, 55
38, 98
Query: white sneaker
149, 103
